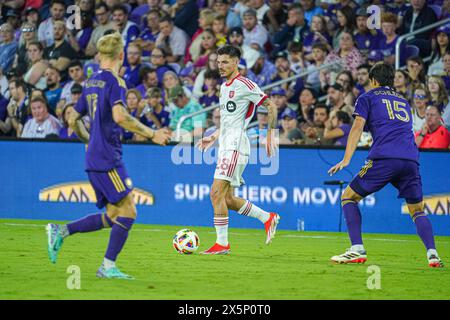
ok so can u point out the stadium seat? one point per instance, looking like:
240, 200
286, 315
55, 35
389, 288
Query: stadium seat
437, 9
411, 51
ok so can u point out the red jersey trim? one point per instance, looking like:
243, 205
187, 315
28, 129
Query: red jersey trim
251, 109
262, 100
247, 82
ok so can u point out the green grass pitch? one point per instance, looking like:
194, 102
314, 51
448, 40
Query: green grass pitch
295, 266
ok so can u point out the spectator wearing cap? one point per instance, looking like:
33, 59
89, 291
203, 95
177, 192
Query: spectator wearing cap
366, 39
295, 28
7, 48
61, 52
211, 94
242, 67
76, 76
319, 54
28, 35
36, 66
262, 71
184, 106
284, 71
318, 33
275, 16
42, 122
232, 19
289, 131
143, 8
215, 118
187, 77
17, 107
205, 22
390, 38
54, 90
130, 70
374, 57
129, 30
261, 8
347, 57
172, 39
417, 16
337, 128
12, 18
185, 15
278, 96
66, 131
258, 134
236, 38
75, 92
311, 10
155, 115
253, 31
102, 16
46, 27
433, 134
363, 83
442, 46
32, 16
336, 99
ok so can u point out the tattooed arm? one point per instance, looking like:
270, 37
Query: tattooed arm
129, 123
272, 125
77, 125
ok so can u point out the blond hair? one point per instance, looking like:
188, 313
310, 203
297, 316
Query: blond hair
110, 46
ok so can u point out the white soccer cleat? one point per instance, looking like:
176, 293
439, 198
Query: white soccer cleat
350, 257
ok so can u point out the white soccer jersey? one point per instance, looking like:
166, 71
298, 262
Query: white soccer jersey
239, 99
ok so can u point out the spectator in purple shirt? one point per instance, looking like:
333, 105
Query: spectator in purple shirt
130, 72
211, 94
149, 78
337, 128
148, 36
67, 132
155, 115
390, 38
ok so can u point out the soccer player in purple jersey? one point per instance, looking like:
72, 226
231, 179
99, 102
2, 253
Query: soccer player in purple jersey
103, 99
393, 158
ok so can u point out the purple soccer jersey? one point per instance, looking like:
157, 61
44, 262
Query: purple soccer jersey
389, 120
100, 93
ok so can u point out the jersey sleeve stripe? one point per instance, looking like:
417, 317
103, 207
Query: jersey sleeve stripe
246, 82
262, 100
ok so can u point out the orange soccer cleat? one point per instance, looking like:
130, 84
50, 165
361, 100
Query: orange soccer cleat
217, 249
271, 226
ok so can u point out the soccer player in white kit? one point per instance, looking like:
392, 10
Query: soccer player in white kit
239, 98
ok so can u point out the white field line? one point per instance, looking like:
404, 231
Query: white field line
235, 234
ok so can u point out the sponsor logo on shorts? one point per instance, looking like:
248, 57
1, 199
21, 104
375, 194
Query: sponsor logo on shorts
438, 205
82, 192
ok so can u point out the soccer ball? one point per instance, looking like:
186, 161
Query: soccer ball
186, 241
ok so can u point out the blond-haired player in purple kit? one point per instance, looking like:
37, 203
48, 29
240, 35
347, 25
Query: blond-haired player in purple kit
393, 158
103, 99
239, 98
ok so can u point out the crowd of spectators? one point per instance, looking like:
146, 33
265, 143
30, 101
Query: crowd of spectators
47, 53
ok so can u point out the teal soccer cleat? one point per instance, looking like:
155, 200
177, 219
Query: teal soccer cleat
54, 241
112, 273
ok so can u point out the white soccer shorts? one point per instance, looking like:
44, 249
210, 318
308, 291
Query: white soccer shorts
230, 167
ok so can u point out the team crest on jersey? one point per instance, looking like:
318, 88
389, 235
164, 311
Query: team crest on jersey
231, 94
231, 106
